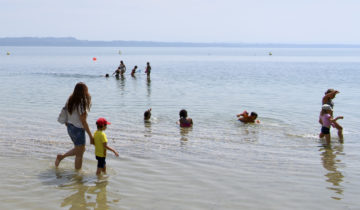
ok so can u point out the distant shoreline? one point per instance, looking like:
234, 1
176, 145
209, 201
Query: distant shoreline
73, 42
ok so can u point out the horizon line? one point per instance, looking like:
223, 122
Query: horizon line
182, 42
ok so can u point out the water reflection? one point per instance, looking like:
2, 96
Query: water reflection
83, 198
331, 164
122, 82
148, 86
148, 130
247, 133
184, 135
85, 192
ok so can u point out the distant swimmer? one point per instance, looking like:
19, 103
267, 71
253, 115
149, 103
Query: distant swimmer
184, 121
246, 118
147, 115
106, 75
148, 69
133, 71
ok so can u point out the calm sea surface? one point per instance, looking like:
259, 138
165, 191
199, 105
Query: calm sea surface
220, 163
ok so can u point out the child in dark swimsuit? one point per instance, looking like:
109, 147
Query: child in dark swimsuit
148, 69
184, 121
147, 115
117, 72
133, 71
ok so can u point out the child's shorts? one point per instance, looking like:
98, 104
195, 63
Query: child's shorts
101, 162
325, 130
76, 134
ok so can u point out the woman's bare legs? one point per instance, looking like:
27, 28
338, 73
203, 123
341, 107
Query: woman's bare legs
78, 151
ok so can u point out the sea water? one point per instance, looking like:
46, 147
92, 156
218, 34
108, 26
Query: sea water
220, 163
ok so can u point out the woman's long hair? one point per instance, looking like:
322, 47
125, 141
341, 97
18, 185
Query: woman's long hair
79, 98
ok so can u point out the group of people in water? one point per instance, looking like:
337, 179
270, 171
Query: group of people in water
120, 71
77, 108
79, 102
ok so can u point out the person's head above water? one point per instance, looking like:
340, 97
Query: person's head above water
253, 115
147, 114
183, 113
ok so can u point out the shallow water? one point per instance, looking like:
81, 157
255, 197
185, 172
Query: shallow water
218, 164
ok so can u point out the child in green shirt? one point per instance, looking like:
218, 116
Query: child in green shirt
100, 142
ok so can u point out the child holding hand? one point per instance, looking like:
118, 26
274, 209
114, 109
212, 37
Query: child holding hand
100, 142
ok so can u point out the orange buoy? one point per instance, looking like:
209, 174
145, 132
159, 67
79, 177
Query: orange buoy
94, 59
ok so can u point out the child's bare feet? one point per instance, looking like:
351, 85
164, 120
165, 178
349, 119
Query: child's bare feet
58, 159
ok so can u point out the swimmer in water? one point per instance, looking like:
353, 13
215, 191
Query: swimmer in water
246, 118
147, 115
184, 121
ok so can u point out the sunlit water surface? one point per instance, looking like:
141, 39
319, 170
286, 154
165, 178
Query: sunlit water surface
220, 163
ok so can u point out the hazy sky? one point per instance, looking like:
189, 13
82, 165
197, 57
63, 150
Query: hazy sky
276, 21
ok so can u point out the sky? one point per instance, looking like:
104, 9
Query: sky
229, 21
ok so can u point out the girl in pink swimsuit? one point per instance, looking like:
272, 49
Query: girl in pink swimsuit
184, 121
326, 120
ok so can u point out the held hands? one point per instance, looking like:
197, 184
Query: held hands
116, 154
92, 140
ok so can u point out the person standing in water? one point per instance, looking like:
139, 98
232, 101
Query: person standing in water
133, 71
77, 105
101, 145
117, 72
326, 120
122, 68
148, 69
328, 99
